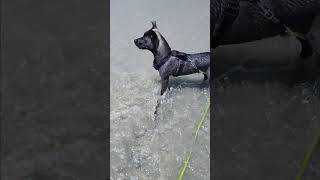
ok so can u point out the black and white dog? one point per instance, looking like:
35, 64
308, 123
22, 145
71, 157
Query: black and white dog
170, 62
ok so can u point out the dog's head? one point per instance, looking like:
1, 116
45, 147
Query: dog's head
149, 40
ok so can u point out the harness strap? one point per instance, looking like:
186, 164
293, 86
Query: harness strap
180, 67
181, 63
230, 10
162, 62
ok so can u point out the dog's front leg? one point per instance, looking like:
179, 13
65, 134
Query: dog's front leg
164, 84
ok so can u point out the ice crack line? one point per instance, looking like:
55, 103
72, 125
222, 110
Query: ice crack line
156, 113
155, 119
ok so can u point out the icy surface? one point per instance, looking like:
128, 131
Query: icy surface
145, 145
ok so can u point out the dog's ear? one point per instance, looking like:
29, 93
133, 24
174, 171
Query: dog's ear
154, 25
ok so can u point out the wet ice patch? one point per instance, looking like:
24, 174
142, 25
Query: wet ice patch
154, 146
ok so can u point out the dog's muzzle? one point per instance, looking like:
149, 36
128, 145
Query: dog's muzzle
138, 43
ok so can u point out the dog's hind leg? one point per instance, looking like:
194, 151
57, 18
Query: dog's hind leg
206, 74
307, 66
314, 37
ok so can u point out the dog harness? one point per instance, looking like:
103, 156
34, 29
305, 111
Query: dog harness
162, 62
165, 59
231, 9
180, 67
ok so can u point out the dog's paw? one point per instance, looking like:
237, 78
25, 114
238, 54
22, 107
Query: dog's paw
164, 95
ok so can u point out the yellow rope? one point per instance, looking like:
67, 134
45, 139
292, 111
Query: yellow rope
307, 157
290, 32
186, 162
303, 166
